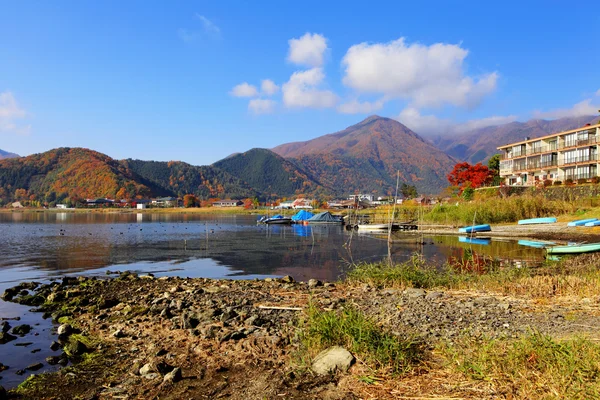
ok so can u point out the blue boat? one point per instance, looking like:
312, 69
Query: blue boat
582, 222
483, 241
593, 223
475, 228
548, 220
536, 244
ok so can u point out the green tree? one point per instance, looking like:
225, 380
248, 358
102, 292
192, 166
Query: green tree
408, 191
494, 167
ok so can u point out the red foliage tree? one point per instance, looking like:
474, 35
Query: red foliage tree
477, 175
189, 200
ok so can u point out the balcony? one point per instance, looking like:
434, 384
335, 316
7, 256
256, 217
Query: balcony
574, 177
590, 141
579, 160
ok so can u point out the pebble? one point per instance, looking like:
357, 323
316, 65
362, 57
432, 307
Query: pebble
174, 376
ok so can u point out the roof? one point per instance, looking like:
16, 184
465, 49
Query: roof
582, 128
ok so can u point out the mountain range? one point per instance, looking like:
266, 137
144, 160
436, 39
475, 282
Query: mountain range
366, 157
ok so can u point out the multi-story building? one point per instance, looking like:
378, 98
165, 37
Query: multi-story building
564, 155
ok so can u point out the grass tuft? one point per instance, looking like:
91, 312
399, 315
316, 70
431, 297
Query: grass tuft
532, 366
350, 329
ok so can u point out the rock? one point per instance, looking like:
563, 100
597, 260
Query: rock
4, 326
6, 337
3, 367
119, 334
313, 283
20, 372
35, 367
52, 360
54, 346
173, 376
413, 293
164, 368
64, 330
76, 348
147, 369
3, 395
21, 329
287, 279
333, 359
434, 295
104, 304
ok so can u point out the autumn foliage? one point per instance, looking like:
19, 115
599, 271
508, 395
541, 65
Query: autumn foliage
465, 174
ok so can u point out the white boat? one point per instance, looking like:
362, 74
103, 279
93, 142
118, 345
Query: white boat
376, 227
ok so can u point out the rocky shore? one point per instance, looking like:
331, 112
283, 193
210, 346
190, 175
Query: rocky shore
141, 337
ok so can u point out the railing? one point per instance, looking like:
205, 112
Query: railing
578, 160
551, 163
591, 140
577, 143
587, 175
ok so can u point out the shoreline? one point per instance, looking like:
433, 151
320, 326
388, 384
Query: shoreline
244, 339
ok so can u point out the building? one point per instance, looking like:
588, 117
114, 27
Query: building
362, 197
227, 203
300, 204
165, 202
564, 155
285, 205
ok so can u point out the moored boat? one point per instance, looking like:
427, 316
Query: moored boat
325, 218
376, 227
593, 223
530, 221
574, 249
582, 222
278, 219
475, 228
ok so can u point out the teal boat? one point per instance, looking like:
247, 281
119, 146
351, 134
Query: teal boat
582, 222
593, 223
482, 241
574, 249
475, 228
548, 220
536, 244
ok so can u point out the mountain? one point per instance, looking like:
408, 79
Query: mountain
367, 156
270, 174
480, 144
75, 173
6, 154
179, 179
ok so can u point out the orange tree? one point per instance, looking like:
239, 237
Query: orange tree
465, 174
189, 200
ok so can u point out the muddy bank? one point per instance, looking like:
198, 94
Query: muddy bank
136, 337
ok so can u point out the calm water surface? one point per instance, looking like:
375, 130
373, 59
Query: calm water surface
43, 246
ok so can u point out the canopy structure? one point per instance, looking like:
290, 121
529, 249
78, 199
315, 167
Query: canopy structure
302, 215
325, 218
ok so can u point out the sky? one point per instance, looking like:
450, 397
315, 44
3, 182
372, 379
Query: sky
196, 81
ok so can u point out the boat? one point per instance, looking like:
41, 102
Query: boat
475, 228
535, 243
377, 227
593, 223
582, 222
546, 220
574, 248
278, 219
471, 240
325, 218
301, 216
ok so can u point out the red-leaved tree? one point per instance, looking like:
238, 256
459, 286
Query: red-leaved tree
477, 175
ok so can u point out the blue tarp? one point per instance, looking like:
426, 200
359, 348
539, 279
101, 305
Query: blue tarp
302, 216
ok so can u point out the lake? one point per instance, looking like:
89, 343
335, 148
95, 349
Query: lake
42, 246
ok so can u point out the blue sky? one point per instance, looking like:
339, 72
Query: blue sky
197, 81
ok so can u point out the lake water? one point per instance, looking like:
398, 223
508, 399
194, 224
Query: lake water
43, 246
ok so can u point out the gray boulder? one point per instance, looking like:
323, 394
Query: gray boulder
333, 359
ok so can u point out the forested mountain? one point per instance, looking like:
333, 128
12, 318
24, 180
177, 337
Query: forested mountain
271, 174
72, 174
480, 144
367, 156
6, 154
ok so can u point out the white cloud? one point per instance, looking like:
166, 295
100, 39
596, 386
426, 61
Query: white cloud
208, 25
308, 50
598, 92
268, 87
357, 107
580, 109
244, 90
302, 90
261, 106
427, 76
10, 112
430, 124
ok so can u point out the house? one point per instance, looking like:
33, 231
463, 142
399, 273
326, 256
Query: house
302, 204
227, 203
165, 202
61, 206
285, 205
99, 202
140, 206
572, 154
